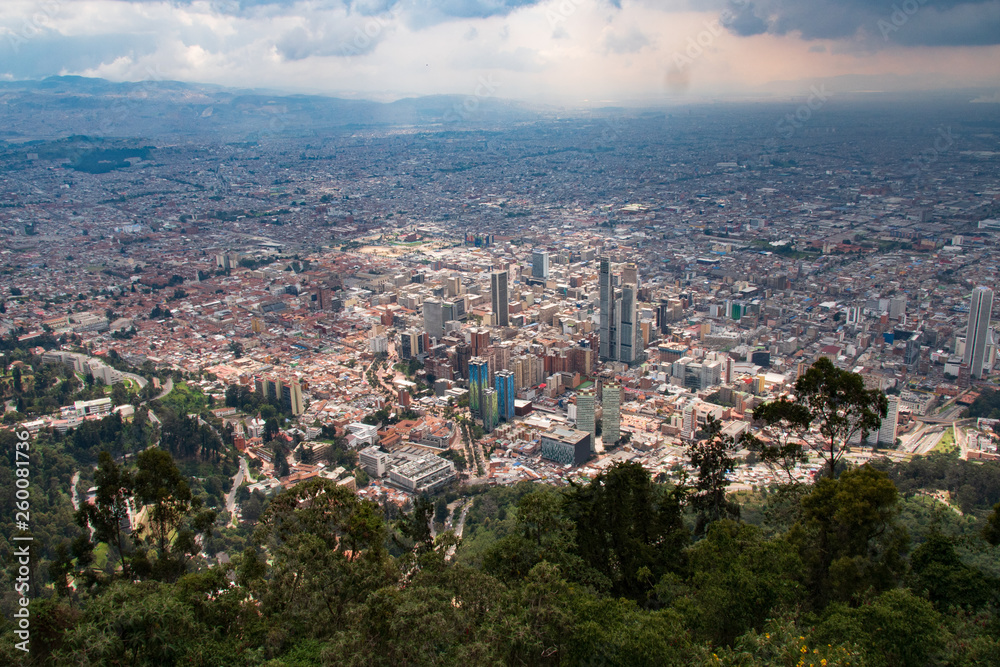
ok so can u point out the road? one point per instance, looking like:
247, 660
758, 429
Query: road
241, 474
168, 387
460, 526
952, 414
138, 379
73, 497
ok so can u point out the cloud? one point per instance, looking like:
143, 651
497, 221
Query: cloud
987, 99
336, 33
49, 53
905, 22
631, 41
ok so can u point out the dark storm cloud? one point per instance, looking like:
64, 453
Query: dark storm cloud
905, 22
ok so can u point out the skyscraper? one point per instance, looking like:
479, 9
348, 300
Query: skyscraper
689, 426
501, 302
479, 376
434, 318
491, 416
620, 333
612, 420
540, 264
609, 347
979, 327
628, 332
585, 402
630, 274
887, 431
505, 393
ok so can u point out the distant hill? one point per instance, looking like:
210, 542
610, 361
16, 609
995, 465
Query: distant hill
59, 106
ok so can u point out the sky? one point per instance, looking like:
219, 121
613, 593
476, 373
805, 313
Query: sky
567, 52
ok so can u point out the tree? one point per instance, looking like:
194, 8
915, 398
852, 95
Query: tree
132, 624
991, 531
160, 486
739, 580
115, 489
280, 460
628, 529
416, 526
897, 629
119, 395
939, 573
713, 458
849, 536
836, 401
779, 439
440, 510
270, 429
327, 553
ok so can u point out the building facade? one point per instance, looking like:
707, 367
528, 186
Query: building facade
479, 379
979, 327
566, 446
501, 300
506, 390
612, 420
586, 403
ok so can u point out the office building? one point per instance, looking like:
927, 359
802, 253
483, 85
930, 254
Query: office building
608, 344
979, 327
630, 274
434, 318
689, 425
506, 389
411, 344
620, 336
629, 340
887, 431
423, 475
291, 396
374, 461
566, 446
540, 264
612, 420
586, 402
479, 380
288, 393
501, 302
491, 410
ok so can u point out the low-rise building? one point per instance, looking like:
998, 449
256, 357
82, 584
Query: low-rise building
566, 445
423, 475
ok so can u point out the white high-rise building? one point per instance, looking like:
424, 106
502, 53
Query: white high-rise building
540, 264
978, 333
690, 424
887, 431
434, 318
